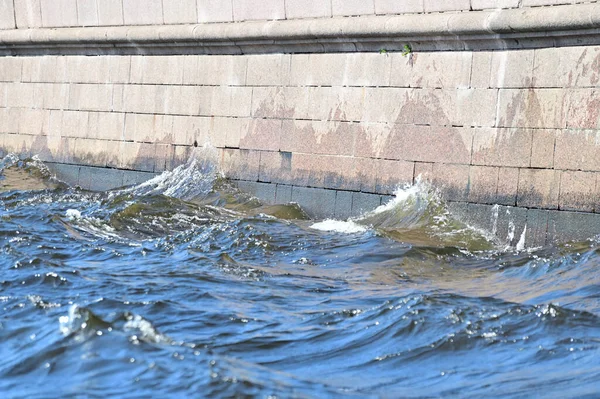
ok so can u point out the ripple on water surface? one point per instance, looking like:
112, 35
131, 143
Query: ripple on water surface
185, 286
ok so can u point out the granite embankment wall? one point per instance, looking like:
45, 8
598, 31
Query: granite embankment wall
493, 106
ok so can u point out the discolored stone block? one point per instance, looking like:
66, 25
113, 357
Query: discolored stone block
441, 70
572, 226
542, 148
240, 164
538, 188
512, 68
262, 134
578, 191
283, 194
364, 202
320, 137
508, 185
583, 109
452, 181
502, 147
577, 150
481, 69
318, 203
343, 205
535, 108
268, 70
483, 184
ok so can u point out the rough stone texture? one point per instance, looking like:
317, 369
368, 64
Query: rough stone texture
87, 13
578, 191
538, 188
502, 147
215, 11
307, 9
28, 13
180, 11
57, 13
110, 12
244, 10
152, 14
7, 14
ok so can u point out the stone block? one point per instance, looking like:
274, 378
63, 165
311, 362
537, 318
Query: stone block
577, 150
215, 11
91, 152
269, 102
262, 134
318, 203
429, 144
214, 70
141, 98
90, 97
184, 100
28, 13
319, 137
100, 179
446, 5
246, 10
10, 69
493, 4
283, 194
31, 121
3, 98
231, 101
134, 177
84, 69
352, 7
452, 181
7, 14
110, 12
481, 69
512, 68
275, 167
578, 191
535, 108
152, 13
307, 9
241, 164
227, 132
181, 154
502, 147
113, 155
391, 175
118, 68
537, 228
180, 12
66, 173
137, 156
583, 109
58, 13
19, 95
508, 184
333, 103
572, 226
398, 7
423, 171
162, 70
41, 69
268, 70
343, 205
75, 124
392, 105
538, 188
473, 107
364, 202
483, 182
340, 69
401, 74
87, 13
542, 148
441, 69
567, 67
163, 157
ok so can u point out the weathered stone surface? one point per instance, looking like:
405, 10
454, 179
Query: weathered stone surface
56, 13
352, 7
440, 70
245, 10
502, 147
283, 194
542, 148
241, 164
343, 205
446, 5
481, 69
110, 12
152, 14
577, 150
364, 202
180, 12
262, 134
538, 188
307, 9
215, 11
578, 191
10, 69
508, 184
537, 227
87, 13
7, 14
483, 184
28, 13
493, 4
319, 137
583, 109
511, 68
536, 108
573, 226
268, 70
317, 203
90, 97
398, 7
452, 181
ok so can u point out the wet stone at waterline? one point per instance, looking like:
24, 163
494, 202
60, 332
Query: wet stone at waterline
184, 287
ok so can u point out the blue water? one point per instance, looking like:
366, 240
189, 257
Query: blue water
177, 290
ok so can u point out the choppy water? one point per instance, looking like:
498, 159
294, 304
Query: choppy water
184, 287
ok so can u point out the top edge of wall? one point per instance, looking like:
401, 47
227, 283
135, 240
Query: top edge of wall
561, 25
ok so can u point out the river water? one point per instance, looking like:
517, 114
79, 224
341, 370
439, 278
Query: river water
185, 287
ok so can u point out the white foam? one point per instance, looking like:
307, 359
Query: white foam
339, 226
73, 214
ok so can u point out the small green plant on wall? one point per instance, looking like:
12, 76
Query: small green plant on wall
383, 51
406, 50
